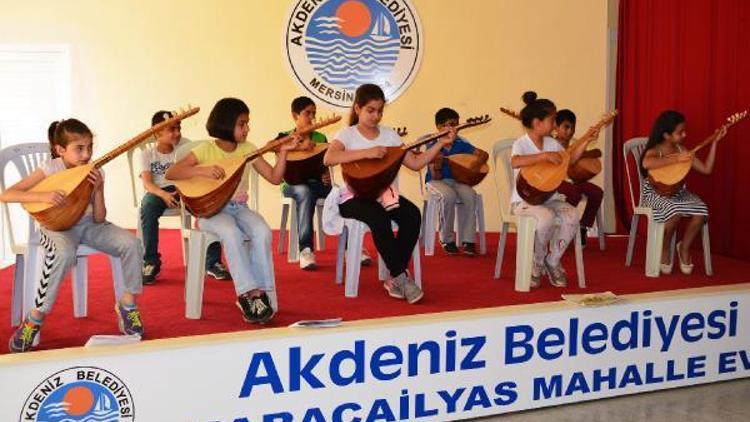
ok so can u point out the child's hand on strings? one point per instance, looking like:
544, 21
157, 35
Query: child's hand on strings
291, 144
552, 157
96, 179
56, 197
375, 152
212, 172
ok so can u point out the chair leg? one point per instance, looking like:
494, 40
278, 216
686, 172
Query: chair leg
33, 262
501, 249
16, 313
416, 262
118, 278
707, 251
282, 228
480, 225
292, 252
526, 230
383, 272
80, 287
353, 257
600, 230
654, 245
579, 260
340, 251
429, 226
196, 272
321, 246
631, 240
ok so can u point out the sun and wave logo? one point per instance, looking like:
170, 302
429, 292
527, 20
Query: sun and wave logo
336, 45
80, 394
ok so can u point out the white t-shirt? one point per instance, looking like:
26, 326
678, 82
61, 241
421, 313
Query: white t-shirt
157, 163
56, 165
525, 146
353, 140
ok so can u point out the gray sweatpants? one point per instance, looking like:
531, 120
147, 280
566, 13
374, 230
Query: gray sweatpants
60, 254
449, 190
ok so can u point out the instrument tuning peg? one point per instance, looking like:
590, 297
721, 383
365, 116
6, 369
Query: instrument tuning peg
486, 117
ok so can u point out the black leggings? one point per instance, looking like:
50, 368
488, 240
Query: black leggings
395, 250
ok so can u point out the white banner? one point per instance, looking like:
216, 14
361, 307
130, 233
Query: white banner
433, 367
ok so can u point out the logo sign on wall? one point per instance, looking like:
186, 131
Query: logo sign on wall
81, 393
334, 46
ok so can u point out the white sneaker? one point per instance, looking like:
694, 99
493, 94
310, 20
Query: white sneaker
307, 259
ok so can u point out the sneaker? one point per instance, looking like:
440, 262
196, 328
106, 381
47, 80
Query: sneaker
450, 248
366, 260
469, 249
307, 259
150, 271
257, 310
218, 271
394, 289
412, 292
537, 269
556, 275
129, 320
24, 336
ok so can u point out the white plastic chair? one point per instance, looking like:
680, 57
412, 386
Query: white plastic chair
26, 158
138, 192
430, 210
655, 232
288, 204
197, 244
350, 243
525, 225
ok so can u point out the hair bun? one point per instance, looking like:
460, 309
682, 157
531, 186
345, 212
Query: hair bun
528, 97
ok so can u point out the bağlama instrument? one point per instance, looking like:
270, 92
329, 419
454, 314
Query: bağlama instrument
205, 197
467, 168
668, 180
73, 182
370, 177
538, 182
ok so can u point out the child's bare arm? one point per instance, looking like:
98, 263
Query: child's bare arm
20, 191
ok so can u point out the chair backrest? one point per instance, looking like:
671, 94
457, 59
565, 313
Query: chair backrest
150, 142
634, 147
26, 158
501, 153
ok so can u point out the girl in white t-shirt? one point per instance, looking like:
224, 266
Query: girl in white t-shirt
536, 146
366, 138
71, 145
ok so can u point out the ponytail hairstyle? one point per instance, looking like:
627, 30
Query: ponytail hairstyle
666, 123
58, 130
536, 108
364, 94
223, 118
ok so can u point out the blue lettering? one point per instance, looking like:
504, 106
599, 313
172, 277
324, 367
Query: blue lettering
357, 357
727, 362
338, 412
688, 325
506, 393
381, 411
450, 400
420, 407
733, 319
577, 384
313, 415
629, 327
544, 390
717, 320
252, 379
609, 378
527, 332
651, 377
596, 332
696, 366
297, 372
666, 333
477, 397
476, 344
551, 338
433, 350
631, 376
378, 361
273, 417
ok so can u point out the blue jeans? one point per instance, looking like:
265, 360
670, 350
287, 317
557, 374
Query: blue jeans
233, 225
153, 207
305, 196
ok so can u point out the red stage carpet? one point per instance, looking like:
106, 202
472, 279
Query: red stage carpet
450, 283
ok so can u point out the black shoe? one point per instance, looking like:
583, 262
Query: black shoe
218, 271
257, 310
149, 272
469, 249
450, 248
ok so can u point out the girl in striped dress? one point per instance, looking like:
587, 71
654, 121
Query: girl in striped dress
664, 148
